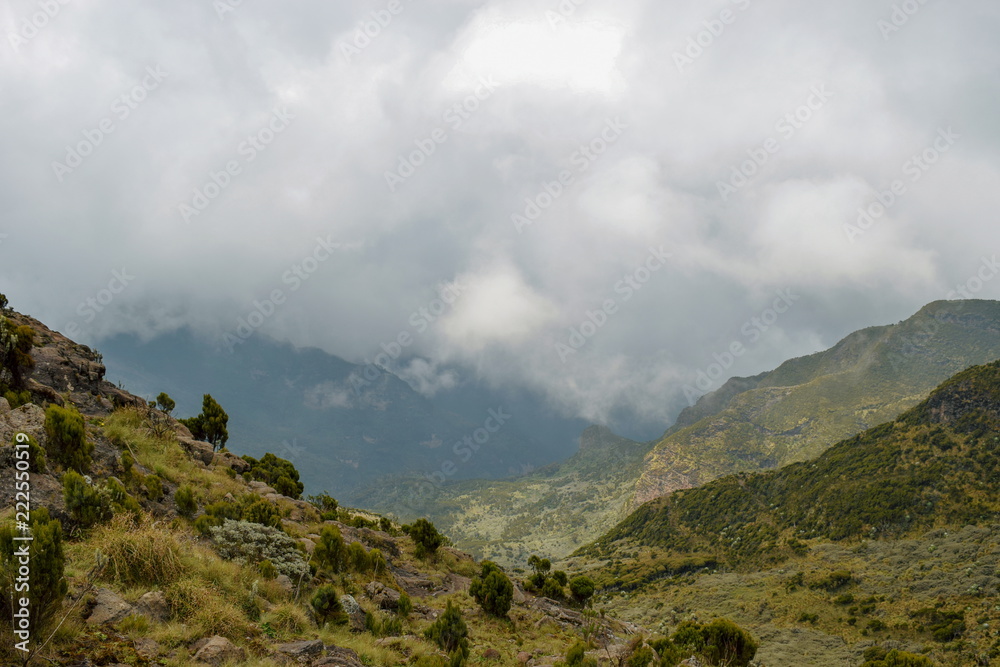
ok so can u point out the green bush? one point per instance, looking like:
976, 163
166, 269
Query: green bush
279, 474
450, 632
877, 656
67, 438
185, 501
582, 588
166, 403
577, 656
552, 589
426, 537
258, 510
154, 488
405, 606
210, 425
493, 590
45, 552
720, 642
357, 557
330, 552
36, 455
87, 506
326, 603
15, 354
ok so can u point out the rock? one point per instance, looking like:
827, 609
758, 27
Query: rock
218, 650
339, 657
110, 608
693, 661
260, 488
523, 657
491, 654
308, 544
199, 451
147, 649
4, 407
355, 613
154, 606
301, 651
285, 582
230, 460
385, 597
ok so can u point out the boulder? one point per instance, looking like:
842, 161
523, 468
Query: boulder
109, 608
354, 612
339, 657
260, 488
523, 657
146, 648
198, 450
386, 598
230, 460
491, 654
217, 650
301, 651
285, 582
154, 606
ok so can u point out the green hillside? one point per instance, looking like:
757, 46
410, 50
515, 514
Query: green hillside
892, 534
552, 511
796, 411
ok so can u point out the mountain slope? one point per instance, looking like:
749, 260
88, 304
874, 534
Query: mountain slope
551, 511
796, 411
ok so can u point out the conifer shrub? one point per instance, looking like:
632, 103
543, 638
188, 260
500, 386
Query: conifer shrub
87, 505
251, 543
67, 438
330, 552
576, 656
426, 538
405, 606
47, 586
277, 473
185, 501
450, 633
326, 603
493, 590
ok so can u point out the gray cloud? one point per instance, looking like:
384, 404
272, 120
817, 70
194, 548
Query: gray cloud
415, 94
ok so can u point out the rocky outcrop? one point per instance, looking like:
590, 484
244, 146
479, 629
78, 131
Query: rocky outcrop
302, 652
217, 651
108, 608
154, 606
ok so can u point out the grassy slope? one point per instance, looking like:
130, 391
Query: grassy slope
910, 508
549, 512
805, 405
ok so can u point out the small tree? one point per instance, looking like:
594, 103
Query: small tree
86, 505
330, 551
210, 425
67, 437
426, 537
45, 553
492, 589
165, 402
582, 589
450, 633
326, 603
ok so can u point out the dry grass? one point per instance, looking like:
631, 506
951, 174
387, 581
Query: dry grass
139, 551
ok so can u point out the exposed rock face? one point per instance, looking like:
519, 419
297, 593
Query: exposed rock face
218, 650
385, 597
109, 608
154, 606
230, 460
199, 451
303, 651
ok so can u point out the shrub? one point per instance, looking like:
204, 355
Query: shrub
184, 499
289, 619
426, 537
642, 656
258, 510
210, 425
45, 552
357, 557
552, 589
120, 499
577, 656
277, 473
252, 542
877, 656
67, 437
86, 505
405, 605
15, 352
582, 588
326, 603
834, 581
720, 642
560, 577
492, 590
330, 551
377, 561
154, 488
165, 402
36, 455
450, 632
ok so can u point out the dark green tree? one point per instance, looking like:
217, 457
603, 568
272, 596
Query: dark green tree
166, 403
275, 472
426, 537
450, 632
492, 589
326, 603
582, 588
45, 553
330, 552
210, 425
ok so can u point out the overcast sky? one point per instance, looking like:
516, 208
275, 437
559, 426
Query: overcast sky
545, 160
